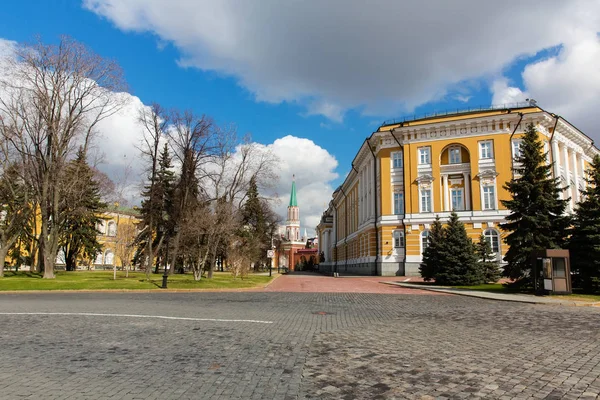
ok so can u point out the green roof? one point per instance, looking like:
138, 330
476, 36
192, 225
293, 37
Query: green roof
293, 201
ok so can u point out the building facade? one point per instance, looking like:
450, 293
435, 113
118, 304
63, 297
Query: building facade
407, 173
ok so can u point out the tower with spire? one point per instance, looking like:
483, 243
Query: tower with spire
292, 224
294, 251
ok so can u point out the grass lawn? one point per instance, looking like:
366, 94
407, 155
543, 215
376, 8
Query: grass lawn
97, 280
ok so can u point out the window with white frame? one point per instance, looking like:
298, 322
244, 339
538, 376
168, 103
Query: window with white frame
397, 159
456, 195
489, 197
516, 147
486, 150
424, 155
425, 200
398, 203
454, 155
424, 241
109, 257
493, 238
398, 239
112, 228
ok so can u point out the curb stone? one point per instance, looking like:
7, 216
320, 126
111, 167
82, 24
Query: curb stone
495, 296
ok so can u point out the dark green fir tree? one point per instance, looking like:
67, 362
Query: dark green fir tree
458, 260
537, 217
433, 252
584, 244
488, 263
81, 206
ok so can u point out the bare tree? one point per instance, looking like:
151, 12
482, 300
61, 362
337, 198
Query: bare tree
125, 243
192, 138
53, 98
227, 177
15, 205
155, 122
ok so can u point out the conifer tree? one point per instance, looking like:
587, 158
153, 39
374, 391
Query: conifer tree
488, 264
537, 219
433, 251
157, 205
584, 244
81, 206
458, 261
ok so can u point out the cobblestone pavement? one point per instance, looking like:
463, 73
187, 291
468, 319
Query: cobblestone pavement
316, 283
319, 345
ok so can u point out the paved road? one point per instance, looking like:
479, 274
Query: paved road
318, 345
314, 283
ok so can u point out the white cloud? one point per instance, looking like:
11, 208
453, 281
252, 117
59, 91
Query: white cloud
333, 55
314, 169
566, 83
505, 94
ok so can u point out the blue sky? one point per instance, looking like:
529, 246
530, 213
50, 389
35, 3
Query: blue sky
330, 73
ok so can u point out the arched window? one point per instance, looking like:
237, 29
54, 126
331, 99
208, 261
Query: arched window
98, 259
398, 239
101, 226
109, 257
424, 240
493, 238
112, 228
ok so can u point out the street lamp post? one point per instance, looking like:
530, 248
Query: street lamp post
166, 273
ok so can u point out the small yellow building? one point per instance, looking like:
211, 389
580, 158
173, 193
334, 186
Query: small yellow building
408, 172
117, 229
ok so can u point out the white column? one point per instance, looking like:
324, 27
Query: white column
556, 162
575, 176
445, 194
583, 175
568, 185
467, 191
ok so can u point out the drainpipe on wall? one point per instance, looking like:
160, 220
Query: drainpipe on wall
375, 206
355, 170
510, 141
554, 160
405, 197
335, 238
345, 228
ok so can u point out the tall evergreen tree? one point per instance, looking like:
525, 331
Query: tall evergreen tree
433, 252
259, 222
81, 206
584, 244
458, 261
488, 264
157, 206
537, 219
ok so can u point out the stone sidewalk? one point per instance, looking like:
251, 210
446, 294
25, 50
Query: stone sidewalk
519, 298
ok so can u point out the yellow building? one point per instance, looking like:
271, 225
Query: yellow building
406, 173
116, 230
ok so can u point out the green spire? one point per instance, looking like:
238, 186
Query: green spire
293, 201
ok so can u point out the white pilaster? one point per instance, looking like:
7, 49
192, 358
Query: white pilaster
582, 169
467, 191
446, 195
575, 176
556, 162
567, 178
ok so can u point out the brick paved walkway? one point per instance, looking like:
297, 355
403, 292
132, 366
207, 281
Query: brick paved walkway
318, 346
299, 282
